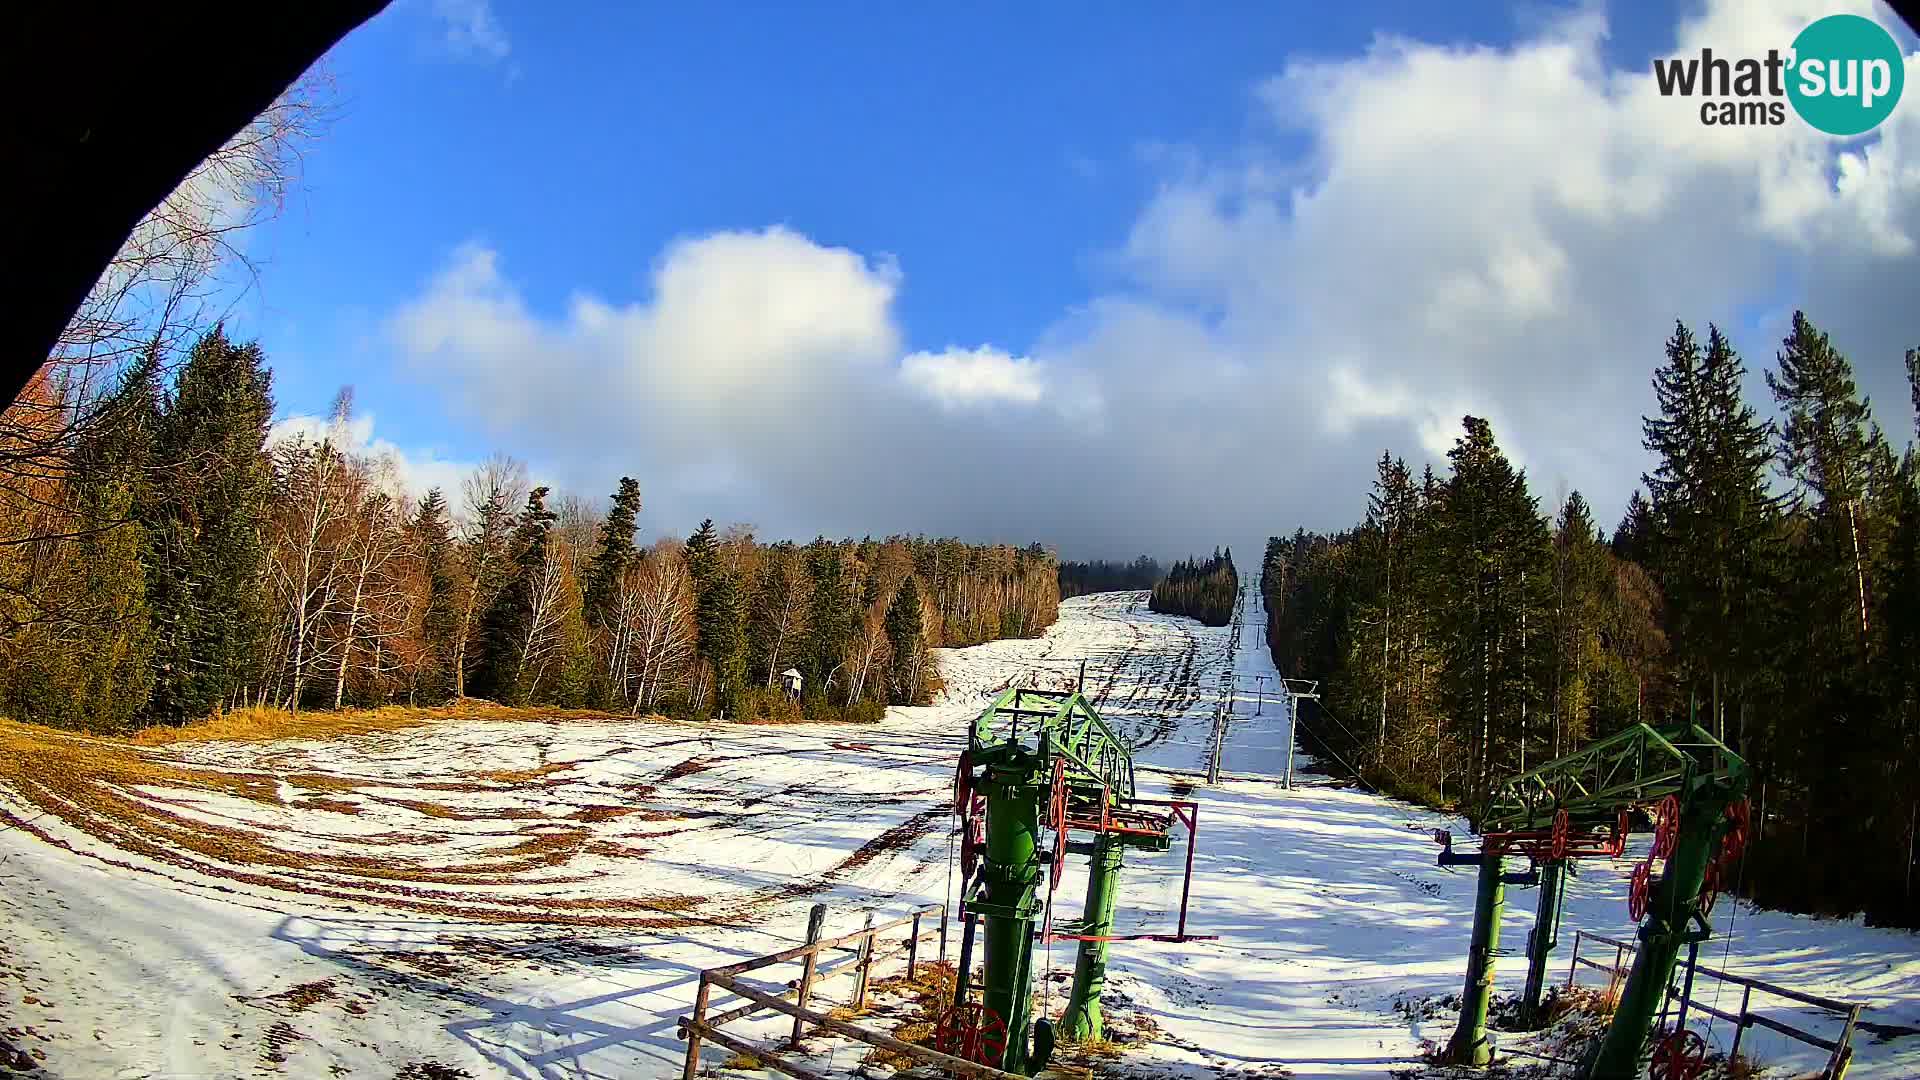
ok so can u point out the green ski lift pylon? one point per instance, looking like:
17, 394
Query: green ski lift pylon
1035, 760
1578, 806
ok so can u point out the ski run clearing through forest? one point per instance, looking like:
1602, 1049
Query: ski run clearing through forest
479, 899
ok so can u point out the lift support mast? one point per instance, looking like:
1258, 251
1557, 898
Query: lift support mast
1040, 760
1580, 806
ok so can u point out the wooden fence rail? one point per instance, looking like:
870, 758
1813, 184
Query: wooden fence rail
1839, 1050
866, 950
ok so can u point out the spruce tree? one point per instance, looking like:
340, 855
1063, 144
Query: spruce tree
1582, 568
204, 515
1833, 452
440, 623
1631, 539
500, 674
484, 552
1381, 631
717, 618
1913, 384
1714, 545
906, 633
1841, 752
830, 624
612, 555
1494, 545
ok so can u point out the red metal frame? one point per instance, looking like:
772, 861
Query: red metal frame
1561, 841
1184, 811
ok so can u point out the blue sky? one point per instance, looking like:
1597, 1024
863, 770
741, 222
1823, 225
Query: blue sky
1059, 186
996, 150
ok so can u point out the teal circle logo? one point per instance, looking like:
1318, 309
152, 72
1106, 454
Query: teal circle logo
1847, 74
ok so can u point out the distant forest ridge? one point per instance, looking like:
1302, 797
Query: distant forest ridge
1100, 575
1204, 590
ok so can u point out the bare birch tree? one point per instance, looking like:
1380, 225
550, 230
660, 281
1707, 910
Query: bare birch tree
552, 597
869, 652
662, 630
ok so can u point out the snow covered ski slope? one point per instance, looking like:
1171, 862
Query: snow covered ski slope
486, 899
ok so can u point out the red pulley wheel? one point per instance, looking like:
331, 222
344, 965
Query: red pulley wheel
1639, 890
1734, 843
1666, 827
973, 835
1682, 1055
962, 783
990, 1040
973, 1033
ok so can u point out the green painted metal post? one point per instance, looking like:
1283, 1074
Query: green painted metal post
1082, 1019
1661, 935
1011, 869
1469, 1045
1546, 934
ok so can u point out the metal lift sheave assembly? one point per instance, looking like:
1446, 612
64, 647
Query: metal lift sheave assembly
1693, 789
1043, 762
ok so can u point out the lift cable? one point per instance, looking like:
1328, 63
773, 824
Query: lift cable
1726, 954
954, 825
1356, 741
1359, 779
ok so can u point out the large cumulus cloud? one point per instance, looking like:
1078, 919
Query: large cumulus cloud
1509, 231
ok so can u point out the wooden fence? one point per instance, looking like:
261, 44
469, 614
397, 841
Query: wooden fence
1839, 1049
867, 951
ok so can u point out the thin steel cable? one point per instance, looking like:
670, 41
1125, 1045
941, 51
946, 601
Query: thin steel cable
1726, 954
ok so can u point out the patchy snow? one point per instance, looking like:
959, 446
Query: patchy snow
536, 899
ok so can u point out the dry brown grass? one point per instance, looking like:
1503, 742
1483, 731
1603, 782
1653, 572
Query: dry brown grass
1584, 999
926, 996
1094, 1048
138, 800
610, 813
265, 724
522, 776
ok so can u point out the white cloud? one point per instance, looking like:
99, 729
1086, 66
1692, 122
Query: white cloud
1512, 231
411, 472
470, 29
741, 328
958, 378
1509, 231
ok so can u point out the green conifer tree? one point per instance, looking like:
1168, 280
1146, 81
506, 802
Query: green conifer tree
440, 622
204, 515
717, 618
1834, 453
831, 621
613, 554
906, 633
1494, 544
1715, 541
501, 673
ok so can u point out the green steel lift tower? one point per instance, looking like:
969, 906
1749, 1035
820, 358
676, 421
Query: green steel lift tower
1043, 761
1580, 806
